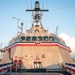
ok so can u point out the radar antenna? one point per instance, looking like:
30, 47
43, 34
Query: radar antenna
37, 13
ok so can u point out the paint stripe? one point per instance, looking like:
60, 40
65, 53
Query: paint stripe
4, 68
41, 44
70, 67
0, 70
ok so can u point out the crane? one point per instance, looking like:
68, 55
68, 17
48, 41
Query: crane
18, 19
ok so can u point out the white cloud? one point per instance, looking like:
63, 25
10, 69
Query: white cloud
70, 41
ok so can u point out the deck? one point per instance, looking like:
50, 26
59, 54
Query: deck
32, 74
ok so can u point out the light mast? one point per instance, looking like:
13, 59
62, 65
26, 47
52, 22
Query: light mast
37, 13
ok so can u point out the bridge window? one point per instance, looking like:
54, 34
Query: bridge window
34, 38
45, 38
51, 38
28, 38
22, 37
57, 40
16, 40
39, 38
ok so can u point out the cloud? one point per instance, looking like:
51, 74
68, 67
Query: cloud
70, 41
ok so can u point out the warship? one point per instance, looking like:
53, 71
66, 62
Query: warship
37, 50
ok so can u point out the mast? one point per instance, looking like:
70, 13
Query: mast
37, 13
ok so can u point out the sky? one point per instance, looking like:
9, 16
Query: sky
61, 13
